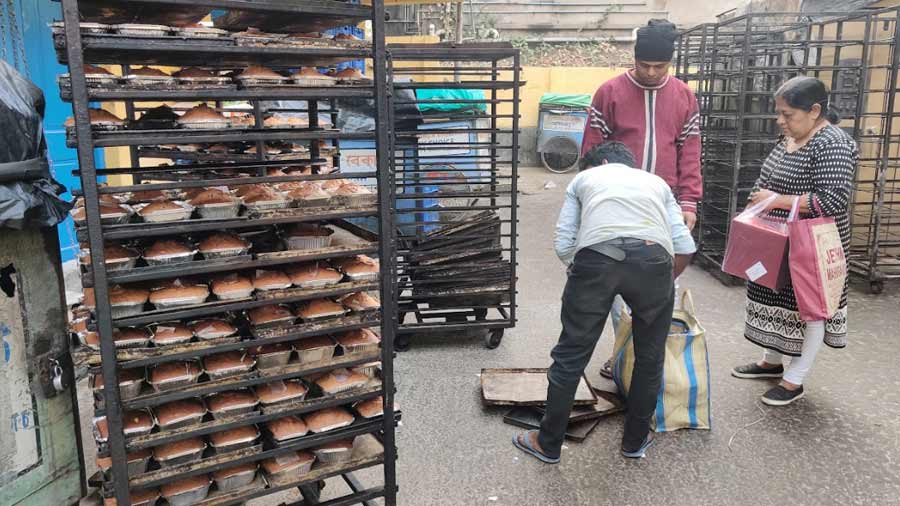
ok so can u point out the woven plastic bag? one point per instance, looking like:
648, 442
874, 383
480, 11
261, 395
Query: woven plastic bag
684, 396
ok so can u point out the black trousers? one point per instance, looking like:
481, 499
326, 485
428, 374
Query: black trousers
645, 281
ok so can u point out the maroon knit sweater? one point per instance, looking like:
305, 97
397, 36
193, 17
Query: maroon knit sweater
660, 125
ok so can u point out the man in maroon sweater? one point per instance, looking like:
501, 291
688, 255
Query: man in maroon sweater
657, 117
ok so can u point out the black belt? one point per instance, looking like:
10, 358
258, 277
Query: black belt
27, 170
615, 248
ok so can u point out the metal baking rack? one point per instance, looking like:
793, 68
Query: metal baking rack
457, 190
77, 48
736, 65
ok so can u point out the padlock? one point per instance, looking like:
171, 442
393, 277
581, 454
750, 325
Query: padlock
57, 374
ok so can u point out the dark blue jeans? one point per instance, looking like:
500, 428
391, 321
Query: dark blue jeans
645, 281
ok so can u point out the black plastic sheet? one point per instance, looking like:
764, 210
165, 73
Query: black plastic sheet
34, 199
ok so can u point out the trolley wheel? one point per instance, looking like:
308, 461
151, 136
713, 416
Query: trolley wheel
876, 287
401, 344
559, 163
493, 339
312, 490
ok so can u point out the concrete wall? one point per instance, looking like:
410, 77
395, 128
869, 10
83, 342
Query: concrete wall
688, 13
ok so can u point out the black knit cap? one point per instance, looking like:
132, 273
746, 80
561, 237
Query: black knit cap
656, 41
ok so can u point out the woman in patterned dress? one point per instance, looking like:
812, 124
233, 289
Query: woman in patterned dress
815, 161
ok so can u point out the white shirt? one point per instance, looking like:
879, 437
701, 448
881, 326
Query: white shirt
615, 201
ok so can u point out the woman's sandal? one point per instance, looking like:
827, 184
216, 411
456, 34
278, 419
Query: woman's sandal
525, 445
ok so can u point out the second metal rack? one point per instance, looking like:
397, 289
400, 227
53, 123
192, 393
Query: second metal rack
457, 176
736, 65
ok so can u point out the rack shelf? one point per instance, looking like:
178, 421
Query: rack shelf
263, 299
221, 180
187, 136
142, 357
212, 426
292, 93
145, 152
177, 51
213, 464
230, 264
339, 13
136, 230
248, 380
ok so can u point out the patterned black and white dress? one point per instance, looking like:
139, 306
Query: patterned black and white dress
824, 168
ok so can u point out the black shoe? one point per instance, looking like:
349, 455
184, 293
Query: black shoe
780, 396
606, 370
754, 371
640, 452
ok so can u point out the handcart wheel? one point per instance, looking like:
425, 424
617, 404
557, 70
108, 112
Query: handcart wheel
876, 287
559, 163
401, 344
493, 339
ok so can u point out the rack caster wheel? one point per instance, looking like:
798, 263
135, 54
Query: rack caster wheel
876, 287
401, 344
493, 339
312, 491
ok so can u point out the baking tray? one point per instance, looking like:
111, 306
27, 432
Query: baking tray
526, 387
529, 417
608, 404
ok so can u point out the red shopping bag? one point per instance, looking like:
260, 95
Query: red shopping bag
757, 247
818, 266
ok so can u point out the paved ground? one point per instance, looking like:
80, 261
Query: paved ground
838, 446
